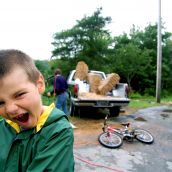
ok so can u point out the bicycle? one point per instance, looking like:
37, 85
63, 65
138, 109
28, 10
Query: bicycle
113, 137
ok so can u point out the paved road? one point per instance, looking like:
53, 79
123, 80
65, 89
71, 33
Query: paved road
136, 156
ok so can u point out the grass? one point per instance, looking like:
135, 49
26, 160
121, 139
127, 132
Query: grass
141, 103
147, 101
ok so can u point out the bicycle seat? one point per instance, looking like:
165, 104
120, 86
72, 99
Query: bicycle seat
125, 124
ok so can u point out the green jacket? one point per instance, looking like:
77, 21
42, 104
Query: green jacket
48, 147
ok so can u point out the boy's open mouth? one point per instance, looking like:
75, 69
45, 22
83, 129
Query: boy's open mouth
23, 117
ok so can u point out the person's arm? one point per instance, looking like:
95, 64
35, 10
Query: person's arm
52, 92
56, 154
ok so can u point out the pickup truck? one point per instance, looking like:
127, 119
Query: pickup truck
113, 101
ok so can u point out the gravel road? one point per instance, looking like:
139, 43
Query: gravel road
90, 156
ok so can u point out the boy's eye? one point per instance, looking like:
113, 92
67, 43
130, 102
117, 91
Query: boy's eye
20, 94
1, 103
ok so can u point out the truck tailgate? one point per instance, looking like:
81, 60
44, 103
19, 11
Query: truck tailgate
95, 97
95, 100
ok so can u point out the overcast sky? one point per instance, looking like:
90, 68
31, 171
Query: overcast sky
29, 25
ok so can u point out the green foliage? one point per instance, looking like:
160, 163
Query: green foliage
167, 65
47, 100
135, 95
130, 61
43, 67
87, 41
64, 65
142, 58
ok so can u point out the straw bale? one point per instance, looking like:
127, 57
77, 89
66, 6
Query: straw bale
93, 81
81, 71
107, 84
93, 96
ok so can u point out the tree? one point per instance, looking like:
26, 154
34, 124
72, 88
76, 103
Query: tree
167, 65
144, 77
148, 39
87, 40
130, 61
43, 67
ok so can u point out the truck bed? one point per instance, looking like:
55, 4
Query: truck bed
96, 97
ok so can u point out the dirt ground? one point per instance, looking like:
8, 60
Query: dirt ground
130, 157
87, 129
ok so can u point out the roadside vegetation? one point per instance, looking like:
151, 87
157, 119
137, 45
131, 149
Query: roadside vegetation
138, 101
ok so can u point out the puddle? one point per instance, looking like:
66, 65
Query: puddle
140, 119
167, 110
164, 115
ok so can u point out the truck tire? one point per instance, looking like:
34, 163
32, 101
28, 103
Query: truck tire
114, 111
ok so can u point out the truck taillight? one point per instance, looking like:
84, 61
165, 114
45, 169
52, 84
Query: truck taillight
75, 89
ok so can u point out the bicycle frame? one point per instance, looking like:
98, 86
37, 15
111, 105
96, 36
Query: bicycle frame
124, 133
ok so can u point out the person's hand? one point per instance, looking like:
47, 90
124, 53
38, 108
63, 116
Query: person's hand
48, 94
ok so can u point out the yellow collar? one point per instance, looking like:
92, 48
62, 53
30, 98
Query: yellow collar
41, 121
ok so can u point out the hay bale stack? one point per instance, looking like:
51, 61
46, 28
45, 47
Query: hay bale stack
93, 81
107, 84
81, 71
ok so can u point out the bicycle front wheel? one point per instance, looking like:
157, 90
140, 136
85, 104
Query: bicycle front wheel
111, 140
143, 136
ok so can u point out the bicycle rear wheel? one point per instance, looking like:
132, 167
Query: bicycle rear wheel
110, 140
143, 136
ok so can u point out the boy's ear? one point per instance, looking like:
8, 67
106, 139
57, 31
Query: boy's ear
41, 84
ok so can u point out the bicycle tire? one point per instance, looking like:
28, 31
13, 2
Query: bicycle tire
143, 136
113, 141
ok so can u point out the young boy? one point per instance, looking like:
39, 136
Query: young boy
34, 137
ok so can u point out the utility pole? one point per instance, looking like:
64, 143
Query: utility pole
159, 55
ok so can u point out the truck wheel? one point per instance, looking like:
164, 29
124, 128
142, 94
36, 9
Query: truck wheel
76, 111
114, 111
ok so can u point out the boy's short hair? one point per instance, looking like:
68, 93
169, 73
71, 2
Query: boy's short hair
10, 59
57, 72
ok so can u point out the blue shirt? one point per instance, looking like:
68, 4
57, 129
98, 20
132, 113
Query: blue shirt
60, 84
